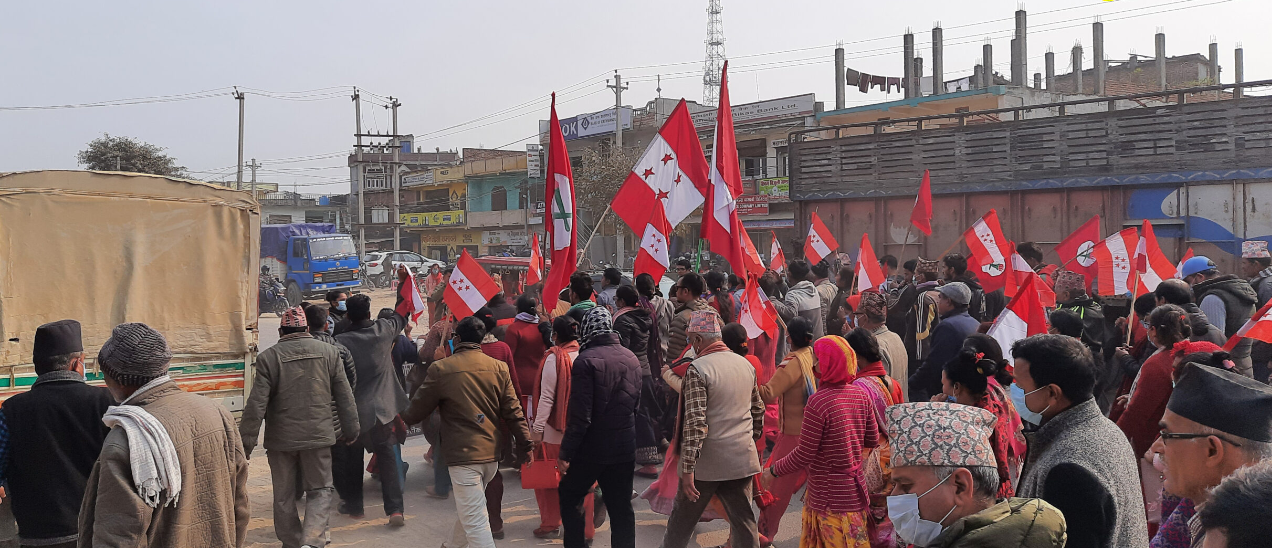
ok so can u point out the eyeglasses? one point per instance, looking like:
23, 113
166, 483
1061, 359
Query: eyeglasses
1192, 435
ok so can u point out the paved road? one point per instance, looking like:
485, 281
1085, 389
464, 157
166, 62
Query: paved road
429, 521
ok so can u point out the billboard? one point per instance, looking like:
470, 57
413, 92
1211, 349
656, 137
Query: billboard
778, 189
753, 204
436, 218
773, 109
587, 125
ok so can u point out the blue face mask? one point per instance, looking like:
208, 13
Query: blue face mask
1018, 400
340, 305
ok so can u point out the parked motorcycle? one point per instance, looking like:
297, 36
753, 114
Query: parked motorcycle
272, 296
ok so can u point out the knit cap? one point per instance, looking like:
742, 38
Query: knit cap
134, 354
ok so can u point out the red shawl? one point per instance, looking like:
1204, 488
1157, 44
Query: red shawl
557, 418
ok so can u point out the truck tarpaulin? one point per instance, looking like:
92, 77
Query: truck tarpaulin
274, 238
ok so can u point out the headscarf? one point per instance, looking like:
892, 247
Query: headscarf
597, 322
836, 361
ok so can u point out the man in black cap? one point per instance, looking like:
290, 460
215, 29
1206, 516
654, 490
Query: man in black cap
1202, 443
54, 433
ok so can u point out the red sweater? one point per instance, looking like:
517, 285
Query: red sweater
500, 351
839, 424
526, 344
1148, 402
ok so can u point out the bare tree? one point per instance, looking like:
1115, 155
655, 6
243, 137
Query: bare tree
107, 153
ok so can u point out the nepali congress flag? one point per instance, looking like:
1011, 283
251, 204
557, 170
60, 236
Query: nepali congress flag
560, 227
411, 305
1075, 250
1113, 257
758, 315
750, 256
869, 275
720, 224
534, 274
820, 242
1018, 272
1150, 262
1258, 327
671, 175
777, 259
989, 251
921, 215
1023, 317
1179, 268
654, 257
469, 287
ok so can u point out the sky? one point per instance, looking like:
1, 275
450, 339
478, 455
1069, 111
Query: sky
478, 74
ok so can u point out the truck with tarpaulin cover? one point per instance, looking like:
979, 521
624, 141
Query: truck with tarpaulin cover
310, 258
105, 248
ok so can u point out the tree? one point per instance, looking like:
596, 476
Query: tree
107, 153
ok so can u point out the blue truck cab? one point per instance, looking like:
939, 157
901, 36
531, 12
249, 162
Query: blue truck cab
310, 258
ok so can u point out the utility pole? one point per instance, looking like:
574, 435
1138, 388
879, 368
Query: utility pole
618, 86
239, 178
253, 167
358, 175
397, 194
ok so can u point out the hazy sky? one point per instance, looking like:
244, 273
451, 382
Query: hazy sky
453, 63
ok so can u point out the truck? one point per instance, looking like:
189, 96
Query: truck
105, 248
310, 258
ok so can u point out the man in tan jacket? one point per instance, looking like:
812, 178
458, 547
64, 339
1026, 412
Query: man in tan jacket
688, 292
789, 387
205, 457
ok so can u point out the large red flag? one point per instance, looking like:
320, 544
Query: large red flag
757, 315
751, 256
1023, 317
412, 306
534, 274
470, 287
1075, 250
777, 259
671, 175
1258, 327
1018, 273
560, 224
869, 275
1113, 256
820, 242
921, 215
653, 257
989, 252
1150, 262
720, 224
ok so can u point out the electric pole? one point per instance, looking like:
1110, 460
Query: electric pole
397, 195
358, 175
239, 178
253, 167
618, 88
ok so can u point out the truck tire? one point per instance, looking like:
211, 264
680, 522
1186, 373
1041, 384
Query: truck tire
294, 296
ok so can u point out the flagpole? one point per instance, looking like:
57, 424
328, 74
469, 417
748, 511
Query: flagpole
905, 242
1130, 315
594, 231
950, 248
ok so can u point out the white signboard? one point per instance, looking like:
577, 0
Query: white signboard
534, 168
504, 237
423, 177
587, 125
775, 109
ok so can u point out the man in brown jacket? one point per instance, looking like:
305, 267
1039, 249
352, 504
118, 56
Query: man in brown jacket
688, 292
121, 509
295, 381
471, 391
788, 387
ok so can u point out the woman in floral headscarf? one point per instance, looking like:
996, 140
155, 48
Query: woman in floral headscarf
839, 425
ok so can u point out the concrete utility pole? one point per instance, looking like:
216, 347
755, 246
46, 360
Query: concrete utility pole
393, 167
358, 175
618, 88
253, 167
238, 184
1160, 44
840, 84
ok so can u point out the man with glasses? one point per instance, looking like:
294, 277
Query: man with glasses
683, 266
1215, 423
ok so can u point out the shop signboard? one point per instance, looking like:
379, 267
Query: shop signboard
436, 218
753, 204
778, 189
773, 109
503, 237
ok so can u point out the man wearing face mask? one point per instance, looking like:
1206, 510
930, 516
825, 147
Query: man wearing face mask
1078, 460
945, 479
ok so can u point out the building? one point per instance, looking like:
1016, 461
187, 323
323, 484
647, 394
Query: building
433, 214
278, 208
504, 199
375, 170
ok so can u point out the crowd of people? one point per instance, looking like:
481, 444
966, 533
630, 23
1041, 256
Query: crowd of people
902, 421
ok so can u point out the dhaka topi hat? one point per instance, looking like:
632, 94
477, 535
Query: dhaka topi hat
1246, 404
1068, 280
1255, 249
873, 303
295, 317
706, 322
927, 267
57, 339
596, 322
134, 354
940, 434
957, 292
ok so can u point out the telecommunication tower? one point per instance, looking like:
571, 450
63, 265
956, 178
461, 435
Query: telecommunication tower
715, 54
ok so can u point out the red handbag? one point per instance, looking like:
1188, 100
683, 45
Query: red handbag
540, 473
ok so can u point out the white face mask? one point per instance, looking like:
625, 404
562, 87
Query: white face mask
903, 510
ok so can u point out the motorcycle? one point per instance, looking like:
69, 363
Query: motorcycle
272, 296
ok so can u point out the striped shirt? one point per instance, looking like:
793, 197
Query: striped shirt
839, 424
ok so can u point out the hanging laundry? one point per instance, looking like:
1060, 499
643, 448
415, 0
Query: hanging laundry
863, 85
894, 81
852, 77
880, 82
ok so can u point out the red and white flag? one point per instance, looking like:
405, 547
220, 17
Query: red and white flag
534, 274
921, 215
1023, 317
653, 257
1258, 327
869, 275
1113, 257
820, 243
777, 259
412, 306
1075, 250
561, 228
671, 175
751, 256
470, 287
758, 316
989, 251
720, 224
1179, 268
1150, 262
1018, 273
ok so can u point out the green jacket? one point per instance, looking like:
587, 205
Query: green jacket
1016, 522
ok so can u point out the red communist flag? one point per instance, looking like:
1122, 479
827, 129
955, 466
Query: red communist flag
411, 305
869, 275
1113, 257
1258, 327
534, 274
671, 175
1150, 262
820, 243
777, 259
921, 216
653, 257
720, 224
1075, 250
1023, 317
1018, 273
469, 288
989, 252
751, 256
559, 225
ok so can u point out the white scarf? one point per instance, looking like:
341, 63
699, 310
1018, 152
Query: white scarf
155, 468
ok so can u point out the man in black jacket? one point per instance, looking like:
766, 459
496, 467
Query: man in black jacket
599, 444
1227, 301
634, 325
50, 437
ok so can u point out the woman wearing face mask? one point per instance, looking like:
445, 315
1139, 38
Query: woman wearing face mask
966, 379
839, 425
1145, 404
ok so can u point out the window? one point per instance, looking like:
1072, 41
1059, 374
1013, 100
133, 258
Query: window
278, 220
300, 249
338, 246
379, 215
499, 199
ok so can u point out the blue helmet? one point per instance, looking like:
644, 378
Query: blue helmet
1197, 265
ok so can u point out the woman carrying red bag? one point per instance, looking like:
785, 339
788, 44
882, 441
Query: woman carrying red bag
551, 395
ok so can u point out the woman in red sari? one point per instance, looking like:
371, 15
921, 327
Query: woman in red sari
975, 378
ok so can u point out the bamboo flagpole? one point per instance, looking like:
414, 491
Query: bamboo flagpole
594, 231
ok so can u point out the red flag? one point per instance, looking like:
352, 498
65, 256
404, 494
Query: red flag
1023, 317
1258, 327
777, 259
1179, 268
720, 224
755, 314
1113, 259
921, 215
1150, 262
1075, 250
820, 242
869, 275
534, 274
653, 256
671, 175
751, 256
470, 287
560, 225
1018, 273
989, 252
412, 306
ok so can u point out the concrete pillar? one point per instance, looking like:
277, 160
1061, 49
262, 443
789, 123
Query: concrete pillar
1017, 78
1214, 68
987, 58
938, 61
1037, 80
1239, 70
840, 89
1051, 70
978, 77
1077, 68
1097, 49
1161, 60
1022, 50
918, 77
907, 77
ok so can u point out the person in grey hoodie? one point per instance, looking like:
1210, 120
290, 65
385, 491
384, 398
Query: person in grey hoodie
804, 298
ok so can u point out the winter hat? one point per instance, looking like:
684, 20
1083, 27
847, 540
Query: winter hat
956, 292
134, 354
57, 339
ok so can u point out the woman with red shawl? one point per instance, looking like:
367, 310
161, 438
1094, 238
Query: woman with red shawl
975, 378
551, 394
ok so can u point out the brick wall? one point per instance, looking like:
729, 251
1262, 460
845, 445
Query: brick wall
1142, 77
